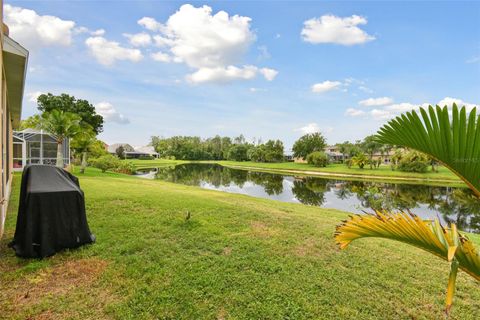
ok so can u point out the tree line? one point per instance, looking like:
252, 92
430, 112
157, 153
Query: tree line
218, 148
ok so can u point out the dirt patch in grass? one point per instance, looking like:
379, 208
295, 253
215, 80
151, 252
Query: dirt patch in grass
260, 229
309, 247
227, 251
56, 281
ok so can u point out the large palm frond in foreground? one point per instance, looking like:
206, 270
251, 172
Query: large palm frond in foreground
454, 143
446, 243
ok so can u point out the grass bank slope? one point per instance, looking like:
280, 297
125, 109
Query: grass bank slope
237, 257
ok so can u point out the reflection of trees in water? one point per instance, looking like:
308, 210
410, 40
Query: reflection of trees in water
462, 207
194, 174
310, 191
272, 183
455, 205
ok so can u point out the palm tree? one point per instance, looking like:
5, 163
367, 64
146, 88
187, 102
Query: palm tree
82, 142
62, 125
455, 144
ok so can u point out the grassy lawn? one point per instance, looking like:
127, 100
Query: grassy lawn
237, 257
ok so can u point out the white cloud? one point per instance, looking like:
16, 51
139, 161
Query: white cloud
365, 89
268, 73
150, 24
392, 110
108, 52
213, 44
312, 128
141, 39
35, 31
98, 32
33, 96
109, 113
309, 128
379, 114
448, 101
223, 75
402, 107
351, 112
257, 90
161, 57
375, 102
325, 86
333, 29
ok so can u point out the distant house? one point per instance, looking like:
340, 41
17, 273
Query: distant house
335, 155
131, 152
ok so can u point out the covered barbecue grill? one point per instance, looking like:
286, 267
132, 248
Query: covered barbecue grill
51, 213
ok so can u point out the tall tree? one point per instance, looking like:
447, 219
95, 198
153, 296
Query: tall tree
371, 146
83, 141
62, 125
66, 103
307, 144
120, 151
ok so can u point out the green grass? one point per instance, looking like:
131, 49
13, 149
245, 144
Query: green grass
236, 258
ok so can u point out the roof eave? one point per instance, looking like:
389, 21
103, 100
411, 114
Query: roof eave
15, 59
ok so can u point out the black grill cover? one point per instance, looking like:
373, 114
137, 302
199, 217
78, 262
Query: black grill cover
51, 214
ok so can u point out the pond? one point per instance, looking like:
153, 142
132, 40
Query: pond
457, 205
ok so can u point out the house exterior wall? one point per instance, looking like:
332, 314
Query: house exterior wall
5, 136
7, 116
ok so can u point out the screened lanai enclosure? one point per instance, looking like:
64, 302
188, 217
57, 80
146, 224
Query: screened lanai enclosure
32, 146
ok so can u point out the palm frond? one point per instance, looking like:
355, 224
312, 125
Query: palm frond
431, 236
454, 142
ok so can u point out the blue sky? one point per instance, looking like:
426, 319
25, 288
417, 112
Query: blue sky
265, 69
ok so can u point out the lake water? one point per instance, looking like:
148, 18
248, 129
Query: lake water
457, 205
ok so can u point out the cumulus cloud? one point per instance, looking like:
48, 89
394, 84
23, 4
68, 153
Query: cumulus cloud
309, 128
379, 114
161, 57
333, 29
33, 96
213, 44
98, 32
230, 73
392, 110
325, 86
108, 52
312, 128
150, 24
268, 73
448, 101
352, 112
374, 102
34, 30
141, 39
110, 114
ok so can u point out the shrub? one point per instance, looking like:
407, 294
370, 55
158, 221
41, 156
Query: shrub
349, 163
146, 157
104, 163
318, 159
126, 167
414, 161
360, 160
